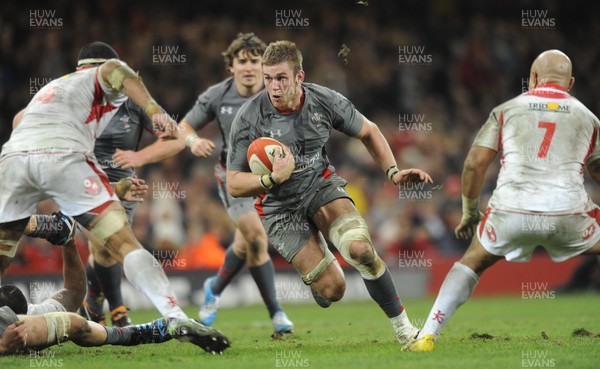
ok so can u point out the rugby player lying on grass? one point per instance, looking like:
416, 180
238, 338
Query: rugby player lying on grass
20, 333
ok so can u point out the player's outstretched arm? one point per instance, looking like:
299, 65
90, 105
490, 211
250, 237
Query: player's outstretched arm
380, 151
121, 78
161, 150
476, 164
153, 153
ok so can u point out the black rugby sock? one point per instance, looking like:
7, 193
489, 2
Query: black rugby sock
94, 296
109, 279
383, 291
230, 268
264, 277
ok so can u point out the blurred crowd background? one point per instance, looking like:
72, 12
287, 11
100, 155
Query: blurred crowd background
472, 56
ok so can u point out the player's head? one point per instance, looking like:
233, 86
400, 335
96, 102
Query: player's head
12, 297
551, 66
95, 53
242, 59
282, 72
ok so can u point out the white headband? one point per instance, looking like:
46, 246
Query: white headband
90, 61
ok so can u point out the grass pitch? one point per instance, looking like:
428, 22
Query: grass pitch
505, 332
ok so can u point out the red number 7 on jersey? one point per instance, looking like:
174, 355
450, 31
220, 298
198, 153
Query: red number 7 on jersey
550, 127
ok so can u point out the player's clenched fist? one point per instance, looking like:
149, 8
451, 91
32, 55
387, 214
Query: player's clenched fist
202, 147
283, 164
470, 218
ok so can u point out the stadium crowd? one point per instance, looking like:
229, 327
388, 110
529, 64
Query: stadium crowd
470, 57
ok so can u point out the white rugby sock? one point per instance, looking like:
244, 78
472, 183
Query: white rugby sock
148, 276
455, 291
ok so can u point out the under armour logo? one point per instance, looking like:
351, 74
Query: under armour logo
316, 118
226, 110
439, 316
275, 133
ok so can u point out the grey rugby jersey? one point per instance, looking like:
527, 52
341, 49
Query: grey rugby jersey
304, 131
123, 132
220, 101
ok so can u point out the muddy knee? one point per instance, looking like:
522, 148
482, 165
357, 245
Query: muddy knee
350, 234
362, 253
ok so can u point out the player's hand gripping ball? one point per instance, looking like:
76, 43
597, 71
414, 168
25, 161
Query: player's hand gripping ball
261, 154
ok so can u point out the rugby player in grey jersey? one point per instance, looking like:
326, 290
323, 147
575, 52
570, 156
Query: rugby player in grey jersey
124, 132
303, 199
250, 243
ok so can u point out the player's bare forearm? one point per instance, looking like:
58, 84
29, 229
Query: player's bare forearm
74, 290
158, 151
376, 144
476, 164
243, 184
137, 92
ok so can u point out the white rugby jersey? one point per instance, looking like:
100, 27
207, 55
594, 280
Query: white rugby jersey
545, 136
67, 113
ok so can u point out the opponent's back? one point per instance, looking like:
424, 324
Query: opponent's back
67, 113
545, 137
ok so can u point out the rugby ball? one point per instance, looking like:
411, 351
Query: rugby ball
261, 154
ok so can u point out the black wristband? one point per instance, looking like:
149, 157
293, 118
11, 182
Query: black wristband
273, 180
262, 183
391, 171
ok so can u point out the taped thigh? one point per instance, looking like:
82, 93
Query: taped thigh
312, 276
9, 248
109, 222
10, 234
59, 325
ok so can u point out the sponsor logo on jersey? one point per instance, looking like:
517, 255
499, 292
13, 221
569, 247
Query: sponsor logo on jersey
227, 110
108, 164
275, 133
303, 162
551, 107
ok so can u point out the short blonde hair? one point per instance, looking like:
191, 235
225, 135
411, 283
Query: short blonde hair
283, 51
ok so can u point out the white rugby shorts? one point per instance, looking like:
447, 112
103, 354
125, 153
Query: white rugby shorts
515, 234
73, 179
